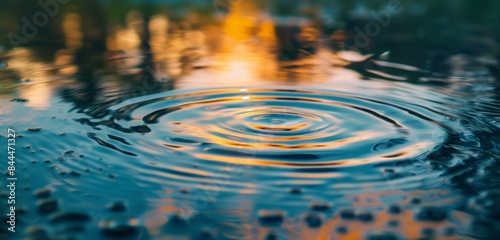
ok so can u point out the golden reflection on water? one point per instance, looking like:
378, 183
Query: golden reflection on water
72, 31
241, 55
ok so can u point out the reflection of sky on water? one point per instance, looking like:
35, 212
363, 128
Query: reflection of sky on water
246, 127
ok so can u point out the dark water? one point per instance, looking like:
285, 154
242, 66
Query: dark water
232, 129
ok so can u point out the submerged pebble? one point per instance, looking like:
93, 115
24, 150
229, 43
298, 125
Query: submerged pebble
43, 193
48, 205
431, 214
119, 227
272, 236
394, 209
347, 214
118, 206
365, 216
64, 217
320, 206
313, 220
295, 191
267, 217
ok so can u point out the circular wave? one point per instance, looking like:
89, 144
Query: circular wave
282, 127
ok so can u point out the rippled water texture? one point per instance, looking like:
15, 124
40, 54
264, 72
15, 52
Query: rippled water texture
239, 137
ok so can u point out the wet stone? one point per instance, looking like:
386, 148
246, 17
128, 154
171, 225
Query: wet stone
313, 220
112, 176
415, 201
295, 191
43, 193
69, 152
320, 206
272, 236
347, 214
74, 173
434, 214
119, 227
64, 217
271, 217
117, 206
365, 217
48, 205
46, 161
34, 129
21, 210
394, 209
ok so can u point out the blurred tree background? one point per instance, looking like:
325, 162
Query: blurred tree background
453, 25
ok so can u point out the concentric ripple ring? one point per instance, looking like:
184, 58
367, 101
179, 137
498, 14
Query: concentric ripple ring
282, 127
